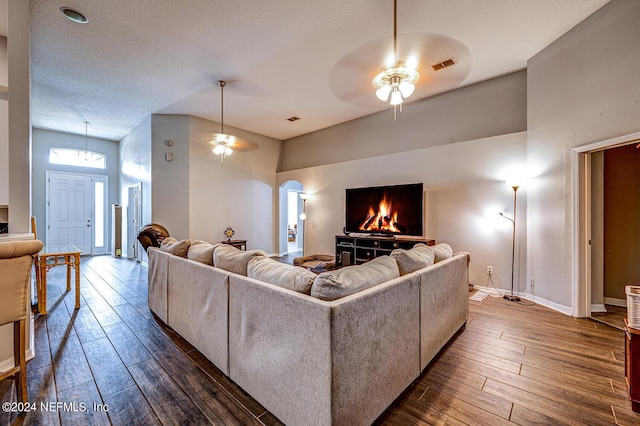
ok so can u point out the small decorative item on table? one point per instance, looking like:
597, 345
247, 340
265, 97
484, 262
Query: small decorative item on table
229, 233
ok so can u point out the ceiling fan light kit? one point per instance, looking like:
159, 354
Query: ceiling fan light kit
224, 144
398, 80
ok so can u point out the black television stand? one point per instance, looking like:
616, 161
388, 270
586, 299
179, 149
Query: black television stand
352, 250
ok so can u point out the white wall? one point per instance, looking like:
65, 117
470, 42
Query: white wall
4, 126
135, 167
170, 179
18, 145
493, 107
194, 196
240, 193
459, 144
43, 140
581, 89
464, 191
19, 79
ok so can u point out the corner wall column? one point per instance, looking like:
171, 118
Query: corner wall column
19, 79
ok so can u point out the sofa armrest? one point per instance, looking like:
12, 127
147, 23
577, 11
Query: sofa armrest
198, 308
375, 341
444, 303
310, 361
158, 271
280, 349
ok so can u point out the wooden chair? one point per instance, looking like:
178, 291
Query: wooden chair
34, 230
36, 258
16, 260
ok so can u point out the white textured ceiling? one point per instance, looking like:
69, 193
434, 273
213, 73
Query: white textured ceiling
138, 57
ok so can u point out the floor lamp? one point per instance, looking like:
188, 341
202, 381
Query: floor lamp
511, 297
303, 217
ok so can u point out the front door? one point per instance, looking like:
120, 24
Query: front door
69, 207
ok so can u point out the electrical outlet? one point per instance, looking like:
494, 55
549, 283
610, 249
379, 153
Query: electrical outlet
533, 282
489, 270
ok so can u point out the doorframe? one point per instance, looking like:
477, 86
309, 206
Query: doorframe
295, 185
93, 177
134, 223
581, 274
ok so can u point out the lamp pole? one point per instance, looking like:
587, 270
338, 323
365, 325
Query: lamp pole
304, 196
511, 297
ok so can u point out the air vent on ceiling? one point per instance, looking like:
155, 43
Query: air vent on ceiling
443, 64
294, 118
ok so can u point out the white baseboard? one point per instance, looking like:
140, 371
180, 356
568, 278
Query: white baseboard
539, 300
615, 302
598, 307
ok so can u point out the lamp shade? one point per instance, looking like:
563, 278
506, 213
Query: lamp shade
396, 97
383, 92
406, 89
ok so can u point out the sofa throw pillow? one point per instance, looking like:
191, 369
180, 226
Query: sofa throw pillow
202, 251
332, 285
420, 256
175, 247
294, 278
442, 251
234, 260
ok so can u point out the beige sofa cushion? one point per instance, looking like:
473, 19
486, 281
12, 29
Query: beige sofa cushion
231, 259
175, 247
202, 251
270, 271
420, 256
442, 251
332, 285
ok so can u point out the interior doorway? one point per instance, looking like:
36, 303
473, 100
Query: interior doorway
295, 234
134, 221
605, 189
76, 211
290, 229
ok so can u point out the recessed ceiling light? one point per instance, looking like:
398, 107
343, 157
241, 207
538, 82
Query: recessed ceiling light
74, 15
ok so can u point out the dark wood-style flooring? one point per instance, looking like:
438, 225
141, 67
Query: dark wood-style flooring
512, 364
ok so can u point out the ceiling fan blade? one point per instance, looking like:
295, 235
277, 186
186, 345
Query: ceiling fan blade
350, 78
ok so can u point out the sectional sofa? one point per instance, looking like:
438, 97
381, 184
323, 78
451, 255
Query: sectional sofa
319, 358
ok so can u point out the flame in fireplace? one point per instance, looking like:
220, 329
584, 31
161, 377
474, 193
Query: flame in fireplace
385, 219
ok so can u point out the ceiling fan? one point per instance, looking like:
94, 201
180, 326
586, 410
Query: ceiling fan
225, 144
414, 64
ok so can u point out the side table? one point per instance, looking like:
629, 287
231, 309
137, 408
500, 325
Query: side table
632, 364
239, 244
57, 255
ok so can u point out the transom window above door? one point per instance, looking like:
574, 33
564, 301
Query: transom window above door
77, 157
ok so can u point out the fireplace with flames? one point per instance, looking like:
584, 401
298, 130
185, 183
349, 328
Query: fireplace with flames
385, 210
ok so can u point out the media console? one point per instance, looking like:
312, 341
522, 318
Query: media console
352, 250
